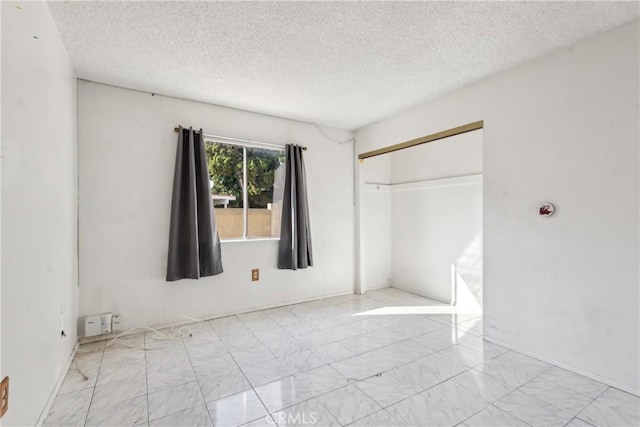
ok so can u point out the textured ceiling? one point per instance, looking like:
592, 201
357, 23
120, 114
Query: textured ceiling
339, 64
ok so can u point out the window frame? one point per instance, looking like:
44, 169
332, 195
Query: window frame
245, 194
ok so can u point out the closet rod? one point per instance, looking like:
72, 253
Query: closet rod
423, 140
242, 141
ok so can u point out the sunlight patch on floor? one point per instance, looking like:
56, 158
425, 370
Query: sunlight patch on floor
419, 309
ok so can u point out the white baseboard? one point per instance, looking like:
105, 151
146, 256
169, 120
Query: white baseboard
85, 340
374, 288
56, 389
423, 296
565, 366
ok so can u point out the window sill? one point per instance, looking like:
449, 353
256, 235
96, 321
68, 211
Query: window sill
256, 239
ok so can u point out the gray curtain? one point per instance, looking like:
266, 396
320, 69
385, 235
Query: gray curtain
294, 251
194, 244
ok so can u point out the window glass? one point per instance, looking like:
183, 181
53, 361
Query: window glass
264, 190
265, 186
225, 173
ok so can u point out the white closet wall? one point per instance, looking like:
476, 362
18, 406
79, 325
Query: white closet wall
423, 228
375, 228
436, 219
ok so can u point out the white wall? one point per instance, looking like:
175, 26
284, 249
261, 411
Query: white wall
458, 155
436, 219
436, 242
39, 222
563, 128
375, 228
127, 153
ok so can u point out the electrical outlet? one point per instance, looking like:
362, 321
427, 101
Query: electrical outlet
116, 322
4, 395
255, 274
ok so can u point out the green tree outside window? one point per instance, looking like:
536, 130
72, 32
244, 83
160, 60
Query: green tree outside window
225, 170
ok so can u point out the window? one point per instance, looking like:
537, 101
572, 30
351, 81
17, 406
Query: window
247, 186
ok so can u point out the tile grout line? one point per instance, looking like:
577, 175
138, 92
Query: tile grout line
578, 418
378, 373
146, 374
469, 368
442, 382
516, 389
490, 403
592, 399
311, 398
534, 397
279, 379
249, 382
275, 357
357, 381
195, 376
93, 391
550, 404
590, 403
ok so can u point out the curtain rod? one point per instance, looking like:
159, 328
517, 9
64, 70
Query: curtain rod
248, 141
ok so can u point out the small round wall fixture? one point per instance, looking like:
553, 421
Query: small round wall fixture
546, 209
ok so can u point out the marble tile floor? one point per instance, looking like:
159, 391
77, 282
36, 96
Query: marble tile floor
387, 358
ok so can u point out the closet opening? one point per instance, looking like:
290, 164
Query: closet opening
420, 221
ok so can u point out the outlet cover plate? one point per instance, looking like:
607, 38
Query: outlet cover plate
255, 274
